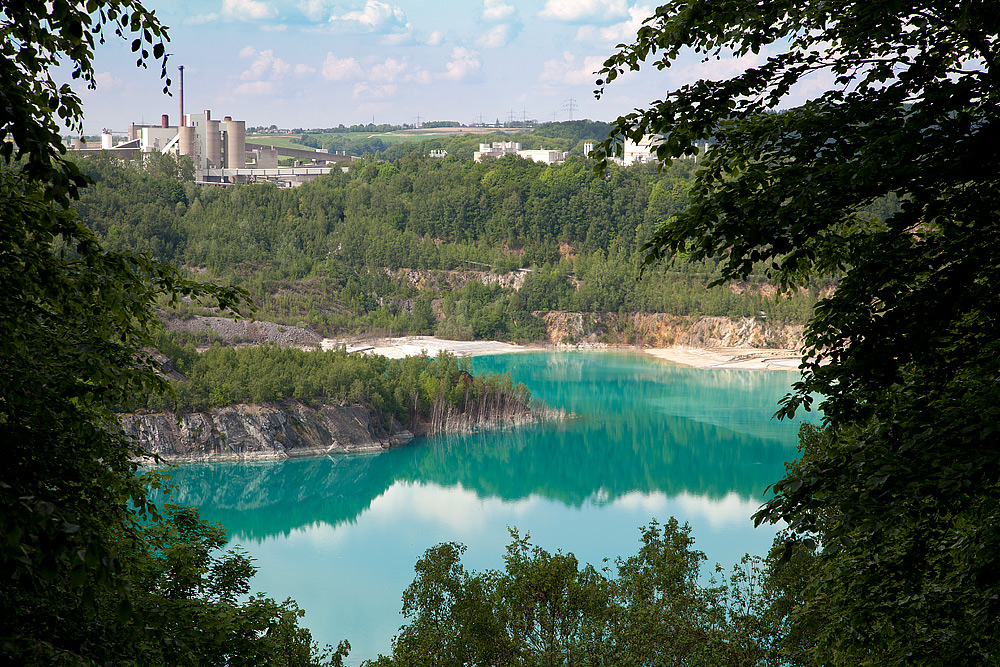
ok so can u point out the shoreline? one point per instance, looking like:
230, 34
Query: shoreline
740, 358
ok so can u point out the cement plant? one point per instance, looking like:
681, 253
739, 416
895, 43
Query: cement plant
218, 149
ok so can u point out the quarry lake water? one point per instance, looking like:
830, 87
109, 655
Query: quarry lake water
648, 439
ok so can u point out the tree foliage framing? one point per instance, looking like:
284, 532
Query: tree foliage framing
903, 487
90, 571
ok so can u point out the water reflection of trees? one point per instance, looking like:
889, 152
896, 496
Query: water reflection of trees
571, 462
642, 428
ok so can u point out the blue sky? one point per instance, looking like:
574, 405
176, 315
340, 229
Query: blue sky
319, 63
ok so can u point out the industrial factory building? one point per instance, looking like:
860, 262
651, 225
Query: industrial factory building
500, 148
218, 149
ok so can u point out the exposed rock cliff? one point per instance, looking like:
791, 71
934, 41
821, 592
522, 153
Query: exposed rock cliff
232, 331
289, 429
436, 279
270, 431
664, 330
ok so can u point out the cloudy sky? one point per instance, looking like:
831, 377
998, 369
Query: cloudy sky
319, 63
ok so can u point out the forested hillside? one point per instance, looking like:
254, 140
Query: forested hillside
331, 253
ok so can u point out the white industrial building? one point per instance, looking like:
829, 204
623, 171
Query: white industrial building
500, 148
546, 156
496, 150
641, 152
218, 149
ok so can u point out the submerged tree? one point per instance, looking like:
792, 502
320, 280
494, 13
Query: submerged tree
903, 488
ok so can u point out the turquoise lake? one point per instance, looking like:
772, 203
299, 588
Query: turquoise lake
648, 439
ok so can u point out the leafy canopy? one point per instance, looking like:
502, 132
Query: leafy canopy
90, 572
35, 37
902, 488
546, 609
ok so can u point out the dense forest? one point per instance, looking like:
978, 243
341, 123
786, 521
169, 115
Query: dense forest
546, 608
406, 391
375, 248
891, 510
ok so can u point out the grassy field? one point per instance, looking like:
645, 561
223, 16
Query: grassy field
277, 140
285, 140
420, 135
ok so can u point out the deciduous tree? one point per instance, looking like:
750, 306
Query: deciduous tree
90, 572
903, 488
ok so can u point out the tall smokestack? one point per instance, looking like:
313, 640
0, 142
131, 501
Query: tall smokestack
180, 96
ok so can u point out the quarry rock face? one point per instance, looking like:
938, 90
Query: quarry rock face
665, 330
267, 431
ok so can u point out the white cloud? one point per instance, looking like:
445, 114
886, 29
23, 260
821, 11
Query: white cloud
265, 65
247, 10
464, 64
619, 32
578, 10
256, 88
436, 38
107, 81
315, 10
366, 91
375, 17
569, 70
266, 71
502, 24
495, 37
340, 69
377, 81
393, 71
723, 68
396, 39
390, 71
199, 19
496, 10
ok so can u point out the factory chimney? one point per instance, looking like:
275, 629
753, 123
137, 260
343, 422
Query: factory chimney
180, 96
164, 121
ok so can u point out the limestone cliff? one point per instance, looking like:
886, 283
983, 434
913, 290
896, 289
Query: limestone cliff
289, 429
664, 330
269, 431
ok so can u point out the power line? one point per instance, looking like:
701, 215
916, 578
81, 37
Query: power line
570, 106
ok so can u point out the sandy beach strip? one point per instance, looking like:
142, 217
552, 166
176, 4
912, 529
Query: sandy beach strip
741, 358
718, 357
411, 346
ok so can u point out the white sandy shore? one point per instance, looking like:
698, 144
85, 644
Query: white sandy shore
744, 358
718, 357
397, 348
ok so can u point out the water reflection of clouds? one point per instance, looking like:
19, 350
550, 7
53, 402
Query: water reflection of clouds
350, 574
719, 513
319, 534
730, 510
463, 511
454, 507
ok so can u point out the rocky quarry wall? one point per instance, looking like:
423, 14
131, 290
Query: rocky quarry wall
289, 429
268, 431
664, 330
